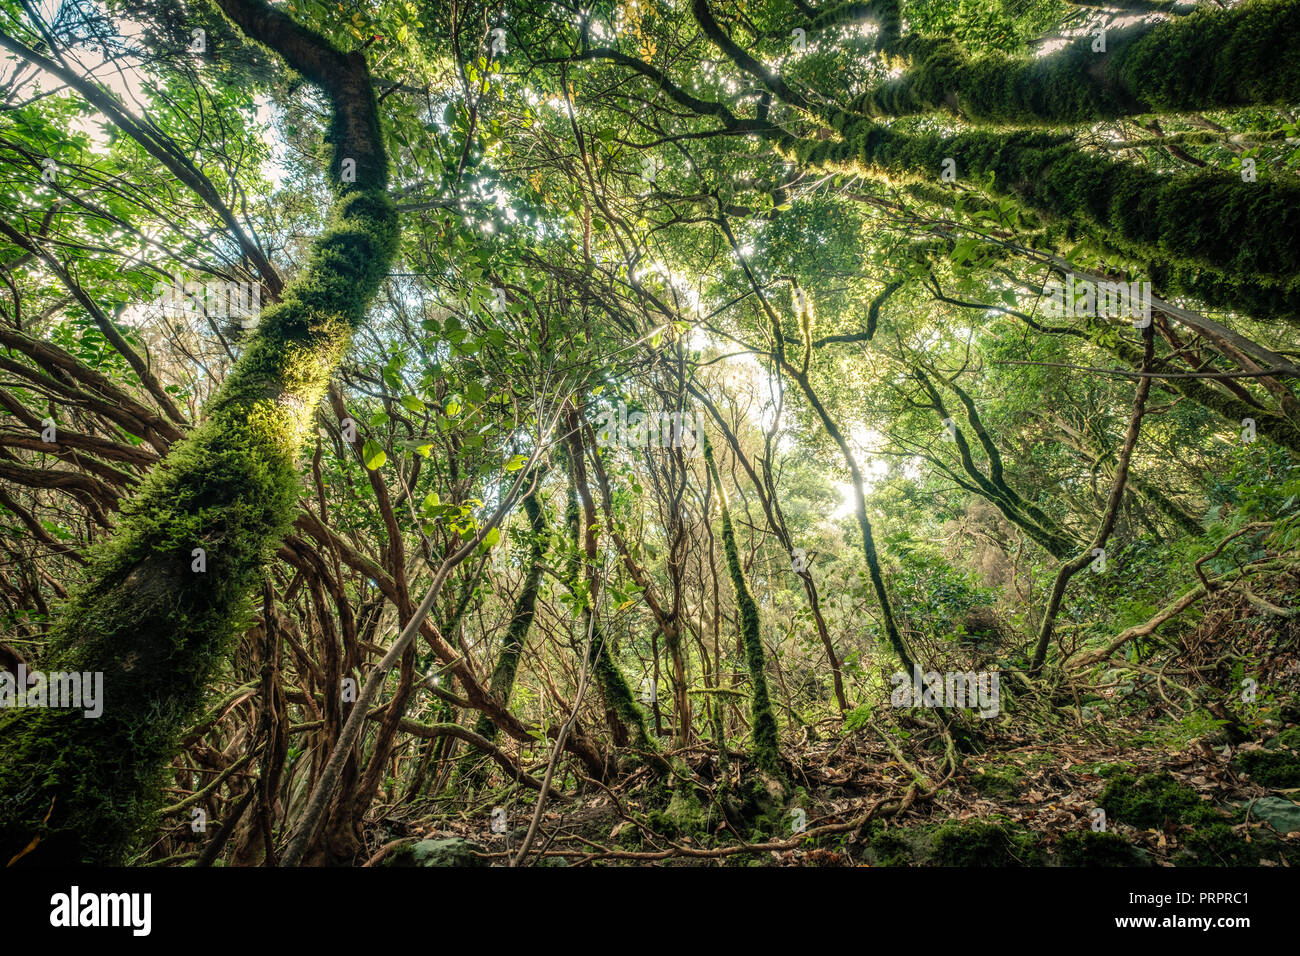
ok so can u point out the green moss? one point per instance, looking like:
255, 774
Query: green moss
997, 782
629, 837
885, 14
1154, 801
452, 851
890, 848
1287, 738
472, 769
684, 815
767, 753
156, 629
1088, 848
618, 695
1264, 298
1208, 218
959, 844
1278, 769
976, 844
1216, 845
1104, 768
1191, 62
600, 655
763, 806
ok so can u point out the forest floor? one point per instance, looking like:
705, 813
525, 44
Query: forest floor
1141, 770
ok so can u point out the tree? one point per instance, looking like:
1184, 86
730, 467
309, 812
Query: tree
167, 592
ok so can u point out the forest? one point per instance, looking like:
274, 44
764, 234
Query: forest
692, 433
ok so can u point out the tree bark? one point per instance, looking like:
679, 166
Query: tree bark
156, 617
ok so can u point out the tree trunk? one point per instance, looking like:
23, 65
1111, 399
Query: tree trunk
168, 593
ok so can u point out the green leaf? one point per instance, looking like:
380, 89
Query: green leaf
412, 404
492, 537
516, 462
373, 455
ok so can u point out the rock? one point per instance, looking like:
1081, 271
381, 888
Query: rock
1281, 814
449, 851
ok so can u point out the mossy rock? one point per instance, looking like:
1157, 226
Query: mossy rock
1216, 845
983, 845
896, 847
1277, 769
684, 815
997, 782
450, 851
763, 806
629, 838
1089, 848
1154, 801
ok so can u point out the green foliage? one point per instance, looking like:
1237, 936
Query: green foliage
1154, 801
998, 782
544, 268
936, 595
154, 623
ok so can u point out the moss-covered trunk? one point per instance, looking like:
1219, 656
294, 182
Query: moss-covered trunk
767, 752
1208, 219
155, 616
994, 488
622, 710
512, 647
1197, 62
